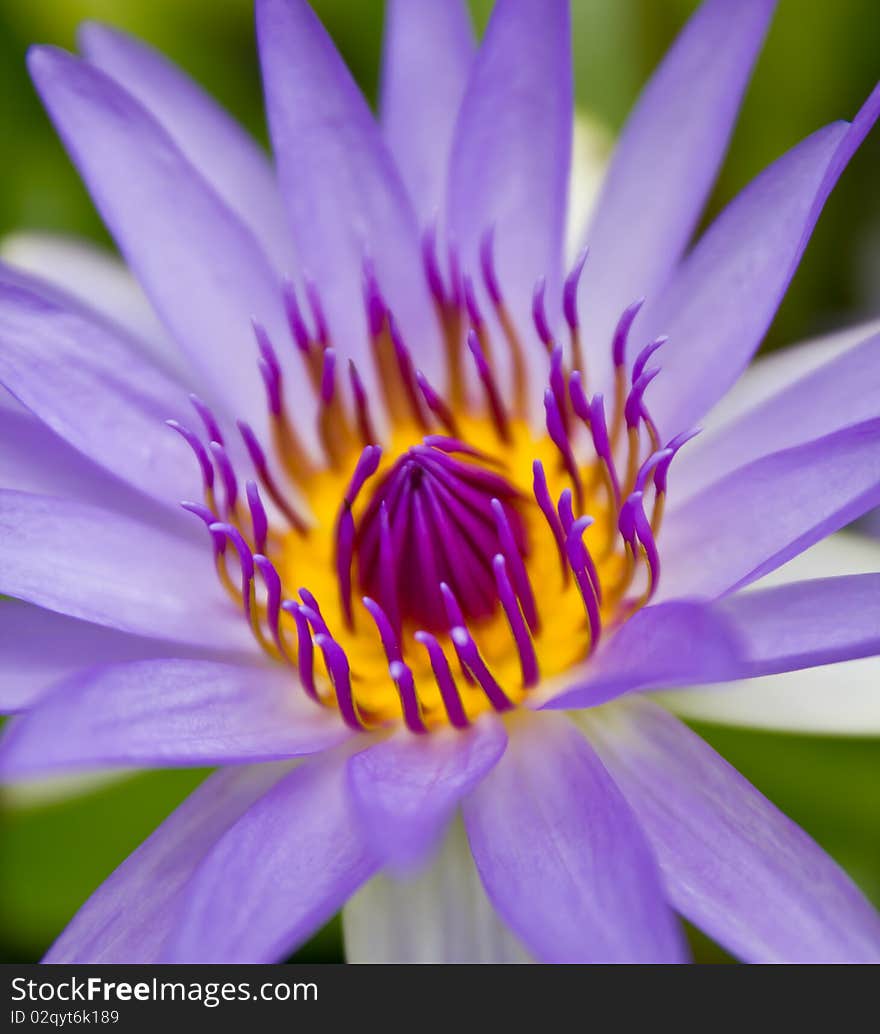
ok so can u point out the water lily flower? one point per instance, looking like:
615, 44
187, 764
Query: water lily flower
446, 519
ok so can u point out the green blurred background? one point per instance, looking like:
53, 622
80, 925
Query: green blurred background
820, 62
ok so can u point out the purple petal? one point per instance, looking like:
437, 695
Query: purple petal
406, 787
39, 648
772, 372
201, 267
92, 564
284, 868
733, 864
561, 855
840, 392
512, 150
93, 390
440, 915
757, 517
129, 917
344, 196
428, 52
805, 624
35, 459
665, 163
168, 712
670, 644
97, 278
722, 298
224, 154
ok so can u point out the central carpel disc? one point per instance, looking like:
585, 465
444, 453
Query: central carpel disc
431, 520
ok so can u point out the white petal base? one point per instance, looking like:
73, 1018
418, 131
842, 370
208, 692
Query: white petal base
440, 915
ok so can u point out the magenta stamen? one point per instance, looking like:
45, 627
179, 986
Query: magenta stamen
633, 408
487, 266
373, 301
259, 520
390, 643
451, 445
621, 332
470, 300
432, 267
566, 517
227, 476
499, 413
362, 405
407, 371
340, 676
565, 510
305, 651
207, 417
469, 656
444, 679
218, 539
272, 386
645, 354
245, 559
661, 472
650, 464
646, 537
300, 332
527, 659
578, 397
626, 522
313, 611
539, 314
194, 442
578, 556
258, 459
517, 568
328, 376
570, 290
321, 331
388, 569
455, 277
602, 443
406, 688
542, 497
557, 384
272, 581
559, 437
436, 404
345, 536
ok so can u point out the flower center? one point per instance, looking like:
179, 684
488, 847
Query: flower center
436, 519
445, 570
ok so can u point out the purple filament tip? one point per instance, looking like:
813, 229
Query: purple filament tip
445, 680
487, 266
300, 332
227, 475
645, 354
194, 442
470, 300
373, 301
661, 471
633, 408
259, 520
328, 376
539, 314
208, 419
570, 290
432, 267
322, 332
518, 627
621, 332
